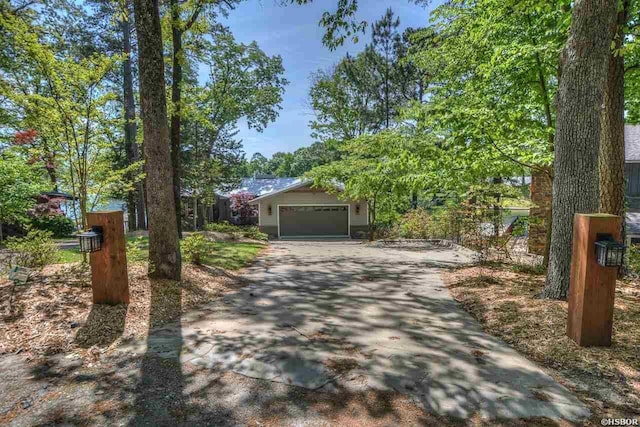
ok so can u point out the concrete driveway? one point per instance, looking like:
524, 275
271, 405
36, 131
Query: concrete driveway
342, 315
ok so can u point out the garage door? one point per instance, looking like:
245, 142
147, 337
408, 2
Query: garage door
314, 221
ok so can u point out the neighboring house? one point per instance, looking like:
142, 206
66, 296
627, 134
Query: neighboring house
290, 208
632, 181
541, 194
632, 165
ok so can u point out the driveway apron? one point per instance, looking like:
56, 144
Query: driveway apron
343, 315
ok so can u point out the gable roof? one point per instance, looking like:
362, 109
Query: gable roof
298, 184
260, 186
632, 143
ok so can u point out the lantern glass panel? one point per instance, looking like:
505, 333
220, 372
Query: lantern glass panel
90, 241
609, 253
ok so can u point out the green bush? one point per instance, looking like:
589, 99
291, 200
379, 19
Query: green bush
58, 225
136, 249
415, 224
223, 227
35, 250
253, 232
420, 223
633, 259
195, 247
237, 231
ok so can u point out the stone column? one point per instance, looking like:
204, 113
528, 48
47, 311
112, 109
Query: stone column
541, 192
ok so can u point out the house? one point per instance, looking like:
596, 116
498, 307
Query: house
541, 195
291, 208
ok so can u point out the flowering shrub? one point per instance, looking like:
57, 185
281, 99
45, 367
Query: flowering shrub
241, 206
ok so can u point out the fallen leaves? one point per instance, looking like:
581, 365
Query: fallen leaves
504, 300
53, 313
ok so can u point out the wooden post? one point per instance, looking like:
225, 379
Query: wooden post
109, 278
592, 287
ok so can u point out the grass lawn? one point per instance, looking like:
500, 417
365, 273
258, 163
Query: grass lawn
227, 255
233, 255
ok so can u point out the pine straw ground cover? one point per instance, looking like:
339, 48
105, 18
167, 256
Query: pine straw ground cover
54, 313
504, 300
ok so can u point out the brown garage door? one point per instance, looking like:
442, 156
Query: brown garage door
314, 221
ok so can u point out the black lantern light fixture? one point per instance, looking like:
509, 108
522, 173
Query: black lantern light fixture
91, 241
609, 253
269, 210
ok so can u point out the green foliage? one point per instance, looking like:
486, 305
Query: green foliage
366, 93
195, 247
294, 164
248, 231
384, 170
421, 224
494, 106
137, 249
254, 233
633, 260
20, 183
243, 82
232, 255
471, 225
521, 227
63, 96
58, 225
36, 250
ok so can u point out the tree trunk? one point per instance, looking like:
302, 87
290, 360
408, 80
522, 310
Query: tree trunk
164, 247
579, 98
611, 160
176, 94
195, 213
130, 127
497, 211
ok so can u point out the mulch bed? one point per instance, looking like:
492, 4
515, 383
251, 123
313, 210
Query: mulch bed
504, 300
53, 312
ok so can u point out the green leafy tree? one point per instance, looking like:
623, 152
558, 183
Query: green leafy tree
65, 99
20, 184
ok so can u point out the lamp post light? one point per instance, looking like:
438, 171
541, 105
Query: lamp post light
91, 240
609, 253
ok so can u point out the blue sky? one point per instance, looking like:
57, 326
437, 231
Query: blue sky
293, 33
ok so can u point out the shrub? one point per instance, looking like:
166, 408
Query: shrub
633, 260
58, 225
254, 232
195, 247
35, 250
521, 227
223, 227
136, 249
441, 223
237, 231
415, 224
241, 205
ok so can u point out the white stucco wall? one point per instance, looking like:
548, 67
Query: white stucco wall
304, 198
